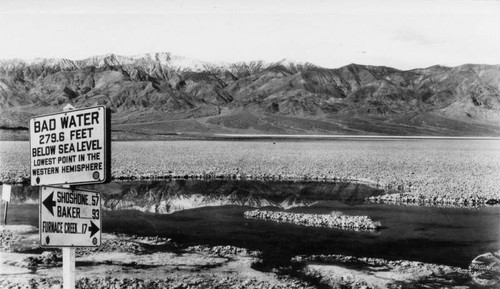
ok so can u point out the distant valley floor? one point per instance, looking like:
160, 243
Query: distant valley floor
149, 126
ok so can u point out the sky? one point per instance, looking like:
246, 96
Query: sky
404, 34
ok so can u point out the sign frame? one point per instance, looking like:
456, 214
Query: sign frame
40, 220
106, 160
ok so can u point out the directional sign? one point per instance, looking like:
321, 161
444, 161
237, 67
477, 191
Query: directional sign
71, 147
69, 217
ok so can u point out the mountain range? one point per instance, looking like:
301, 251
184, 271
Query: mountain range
160, 94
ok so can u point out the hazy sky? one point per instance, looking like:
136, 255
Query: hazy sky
399, 33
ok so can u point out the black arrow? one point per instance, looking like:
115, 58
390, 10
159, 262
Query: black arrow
49, 203
93, 229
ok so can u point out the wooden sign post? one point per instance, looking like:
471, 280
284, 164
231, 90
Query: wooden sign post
69, 265
69, 268
70, 148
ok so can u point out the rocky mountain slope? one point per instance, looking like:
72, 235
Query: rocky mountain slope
160, 93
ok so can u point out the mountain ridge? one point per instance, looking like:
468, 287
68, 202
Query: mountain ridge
158, 93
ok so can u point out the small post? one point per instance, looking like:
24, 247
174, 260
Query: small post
69, 268
6, 189
5, 213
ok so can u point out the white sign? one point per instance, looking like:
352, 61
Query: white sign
69, 217
6, 192
71, 147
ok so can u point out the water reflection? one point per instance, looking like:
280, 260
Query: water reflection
194, 212
170, 196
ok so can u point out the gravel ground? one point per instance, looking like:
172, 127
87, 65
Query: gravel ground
427, 168
126, 261
339, 271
